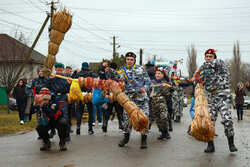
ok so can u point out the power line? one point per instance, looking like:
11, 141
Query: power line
92, 33
93, 25
36, 6
26, 18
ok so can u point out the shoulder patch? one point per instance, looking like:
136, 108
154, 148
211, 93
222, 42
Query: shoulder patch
53, 106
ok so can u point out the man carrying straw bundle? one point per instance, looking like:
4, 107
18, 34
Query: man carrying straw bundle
216, 82
137, 83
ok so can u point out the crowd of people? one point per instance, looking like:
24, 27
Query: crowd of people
149, 87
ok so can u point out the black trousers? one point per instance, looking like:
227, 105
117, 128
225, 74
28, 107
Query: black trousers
21, 108
60, 124
79, 112
107, 112
170, 110
239, 108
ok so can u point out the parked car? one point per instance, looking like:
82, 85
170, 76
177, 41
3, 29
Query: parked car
246, 102
12, 104
185, 101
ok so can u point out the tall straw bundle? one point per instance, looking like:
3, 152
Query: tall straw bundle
202, 128
53, 48
122, 98
46, 71
50, 61
62, 21
56, 37
115, 88
129, 107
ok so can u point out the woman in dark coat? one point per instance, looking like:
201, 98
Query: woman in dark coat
21, 99
239, 100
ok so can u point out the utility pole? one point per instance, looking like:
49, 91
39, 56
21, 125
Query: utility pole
141, 51
52, 9
114, 47
154, 57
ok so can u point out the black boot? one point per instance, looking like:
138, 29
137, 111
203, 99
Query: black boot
232, 147
104, 126
120, 126
52, 133
46, 145
143, 142
125, 140
178, 119
170, 125
62, 145
168, 135
78, 130
210, 147
162, 136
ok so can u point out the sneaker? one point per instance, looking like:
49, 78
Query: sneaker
100, 124
21, 122
93, 124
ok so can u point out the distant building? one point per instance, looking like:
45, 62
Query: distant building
12, 54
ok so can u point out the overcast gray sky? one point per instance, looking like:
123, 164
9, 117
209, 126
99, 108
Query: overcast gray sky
161, 27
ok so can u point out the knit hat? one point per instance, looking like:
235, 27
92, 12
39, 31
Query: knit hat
46, 93
211, 51
85, 65
161, 69
59, 65
113, 65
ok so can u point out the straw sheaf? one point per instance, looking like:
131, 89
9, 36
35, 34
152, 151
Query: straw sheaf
202, 128
122, 98
56, 37
50, 61
46, 71
53, 48
62, 21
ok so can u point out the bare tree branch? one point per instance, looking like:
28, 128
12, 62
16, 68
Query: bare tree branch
191, 60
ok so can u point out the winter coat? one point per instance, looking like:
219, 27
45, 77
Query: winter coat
36, 84
19, 94
239, 99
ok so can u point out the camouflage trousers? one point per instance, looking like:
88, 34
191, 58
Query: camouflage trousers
159, 109
178, 107
142, 101
221, 102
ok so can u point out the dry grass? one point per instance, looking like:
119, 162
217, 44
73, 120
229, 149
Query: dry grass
9, 123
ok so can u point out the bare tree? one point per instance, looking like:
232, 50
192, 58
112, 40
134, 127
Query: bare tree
236, 66
10, 62
191, 60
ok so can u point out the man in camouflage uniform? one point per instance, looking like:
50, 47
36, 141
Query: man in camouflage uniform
137, 83
216, 82
178, 102
159, 91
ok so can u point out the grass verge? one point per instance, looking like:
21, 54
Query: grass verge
10, 123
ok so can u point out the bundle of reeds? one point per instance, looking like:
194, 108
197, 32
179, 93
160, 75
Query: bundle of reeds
202, 128
61, 23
